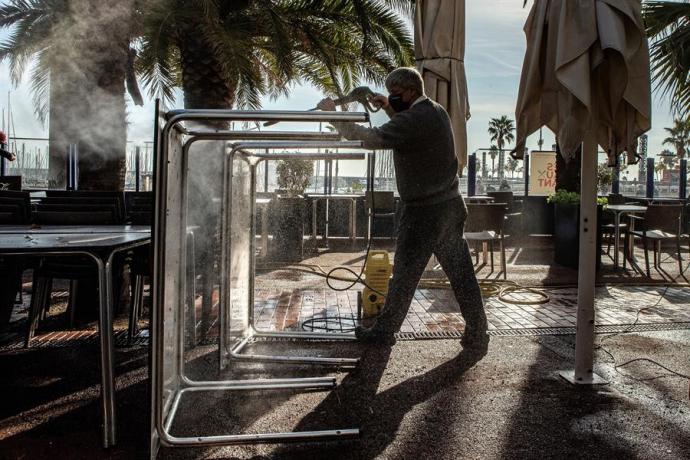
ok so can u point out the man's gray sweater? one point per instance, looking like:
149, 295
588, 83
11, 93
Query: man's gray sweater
423, 152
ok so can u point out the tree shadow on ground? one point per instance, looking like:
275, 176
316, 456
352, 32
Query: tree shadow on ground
555, 419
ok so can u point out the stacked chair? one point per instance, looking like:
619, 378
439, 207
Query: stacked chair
139, 208
15, 209
80, 208
69, 208
139, 211
484, 225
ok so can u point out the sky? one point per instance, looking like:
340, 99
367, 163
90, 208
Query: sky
495, 46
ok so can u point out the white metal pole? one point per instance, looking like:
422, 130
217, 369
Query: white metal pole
584, 339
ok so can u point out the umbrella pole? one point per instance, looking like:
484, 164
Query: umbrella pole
584, 339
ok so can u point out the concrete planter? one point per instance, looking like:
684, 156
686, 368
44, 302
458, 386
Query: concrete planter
289, 230
566, 234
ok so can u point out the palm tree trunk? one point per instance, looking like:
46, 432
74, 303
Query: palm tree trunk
87, 94
204, 88
202, 75
501, 161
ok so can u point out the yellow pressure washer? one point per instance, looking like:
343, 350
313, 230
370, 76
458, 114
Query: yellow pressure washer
377, 273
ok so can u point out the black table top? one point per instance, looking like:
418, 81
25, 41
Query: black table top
82, 229
68, 242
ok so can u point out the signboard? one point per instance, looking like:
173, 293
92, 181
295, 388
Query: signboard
542, 173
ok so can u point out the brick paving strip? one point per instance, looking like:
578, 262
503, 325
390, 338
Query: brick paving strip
434, 313
435, 310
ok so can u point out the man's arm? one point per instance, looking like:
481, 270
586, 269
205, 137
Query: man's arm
398, 131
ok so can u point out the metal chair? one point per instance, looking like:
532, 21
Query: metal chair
14, 210
659, 223
13, 183
139, 208
484, 225
74, 269
138, 211
380, 205
513, 214
608, 224
615, 198
97, 198
15, 207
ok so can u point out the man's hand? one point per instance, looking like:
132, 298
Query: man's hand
380, 101
326, 104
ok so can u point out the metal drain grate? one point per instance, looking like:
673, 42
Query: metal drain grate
428, 335
604, 329
62, 339
642, 327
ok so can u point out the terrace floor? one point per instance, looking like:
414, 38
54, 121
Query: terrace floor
503, 401
541, 299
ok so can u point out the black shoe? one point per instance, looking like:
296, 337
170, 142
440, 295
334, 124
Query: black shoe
372, 335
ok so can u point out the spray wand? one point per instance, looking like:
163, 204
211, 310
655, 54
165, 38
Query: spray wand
361, 94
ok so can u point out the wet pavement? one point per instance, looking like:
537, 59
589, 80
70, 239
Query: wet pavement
436, 310
418, 399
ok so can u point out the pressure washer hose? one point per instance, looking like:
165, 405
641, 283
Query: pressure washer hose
504, 290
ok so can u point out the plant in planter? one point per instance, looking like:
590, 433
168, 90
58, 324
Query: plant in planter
293, 178
566, 233
604, 177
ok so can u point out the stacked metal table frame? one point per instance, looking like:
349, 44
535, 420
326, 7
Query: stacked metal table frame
244, 151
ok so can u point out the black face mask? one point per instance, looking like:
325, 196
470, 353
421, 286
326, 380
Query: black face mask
397, 103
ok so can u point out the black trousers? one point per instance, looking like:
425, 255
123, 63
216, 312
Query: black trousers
423, 231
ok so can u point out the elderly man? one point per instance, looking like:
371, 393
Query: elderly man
433, 214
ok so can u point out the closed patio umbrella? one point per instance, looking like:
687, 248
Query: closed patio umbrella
439, 32
585, 60
585, 76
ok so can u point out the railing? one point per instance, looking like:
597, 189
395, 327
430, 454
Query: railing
646, 179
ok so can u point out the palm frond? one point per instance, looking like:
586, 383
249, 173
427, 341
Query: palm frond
40, 85
668, 26
157, 56
404, 7
31, 24
263, 47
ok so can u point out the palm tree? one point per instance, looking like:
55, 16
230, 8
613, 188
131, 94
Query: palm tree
666, 160
501, 131
511, 166
82, 55
668, 27
679, 137
493, 151
227, 54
